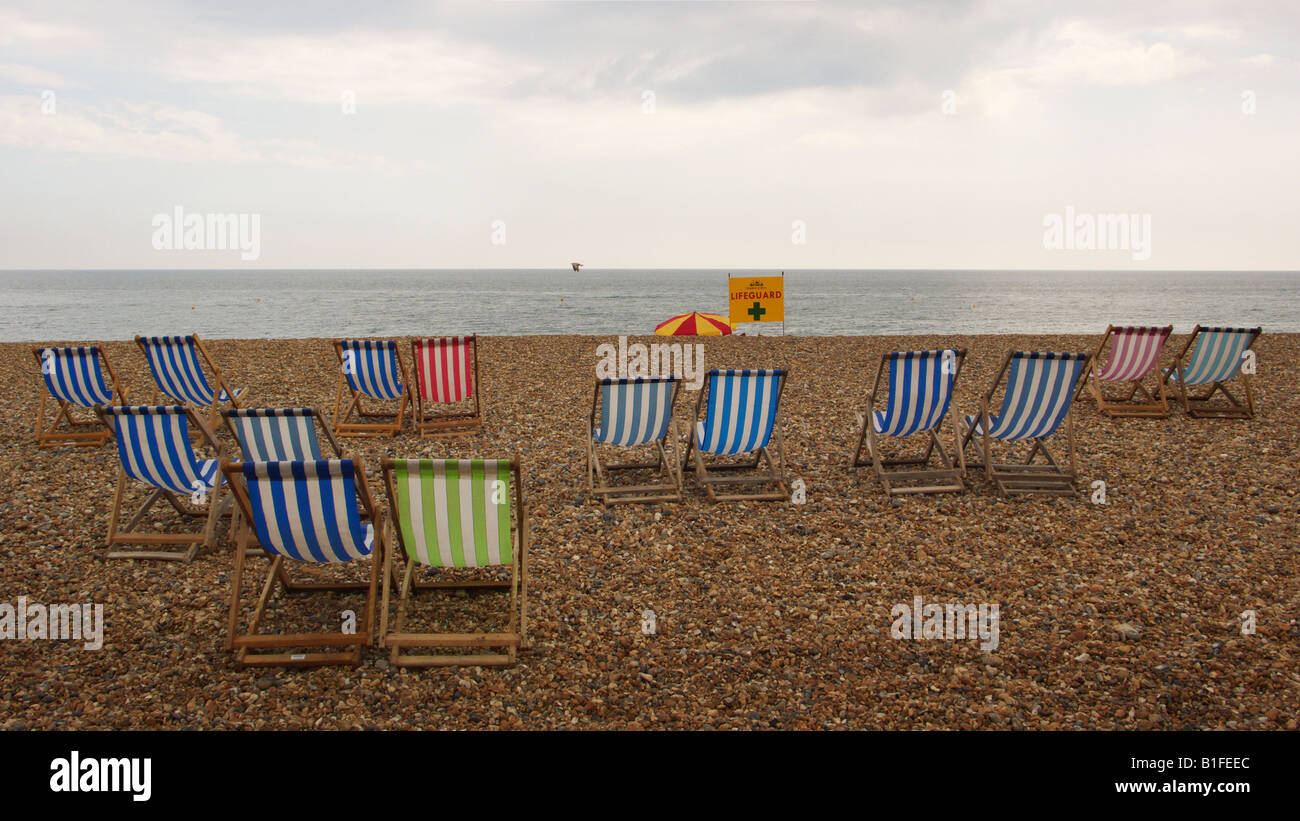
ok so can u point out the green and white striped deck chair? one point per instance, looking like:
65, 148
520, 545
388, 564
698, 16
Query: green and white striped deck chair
1217, 355
455, 515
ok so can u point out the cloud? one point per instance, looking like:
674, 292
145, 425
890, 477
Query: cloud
378, 68
163, 133
34, 77
16, 29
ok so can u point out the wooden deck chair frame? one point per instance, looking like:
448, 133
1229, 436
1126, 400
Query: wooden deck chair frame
953, 467
217, 383
76, 433
451, 423
1153, 404
246, 544
512, 640
1012, 478
1199, 407
724, 473
344, 428
211, 512
669, 464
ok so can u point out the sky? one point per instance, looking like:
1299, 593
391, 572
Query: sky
534, 133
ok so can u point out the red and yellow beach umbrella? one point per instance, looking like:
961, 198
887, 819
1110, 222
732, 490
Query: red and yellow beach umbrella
694, 324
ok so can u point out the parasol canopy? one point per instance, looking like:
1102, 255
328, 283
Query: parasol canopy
693, 324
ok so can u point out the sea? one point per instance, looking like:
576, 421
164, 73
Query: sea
118, 304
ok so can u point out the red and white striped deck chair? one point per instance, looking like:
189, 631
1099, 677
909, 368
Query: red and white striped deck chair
446, 371
1134, 356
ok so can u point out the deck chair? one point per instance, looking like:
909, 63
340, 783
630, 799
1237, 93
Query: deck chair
74, 378
176, 363
370, 368
920, 390
634, 412
1039, 396
449, 514
1134, 356
280, 434
446, 374
1216, 357
742, 410
153, 449
309, 512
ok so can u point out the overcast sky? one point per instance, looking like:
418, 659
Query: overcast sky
651, 134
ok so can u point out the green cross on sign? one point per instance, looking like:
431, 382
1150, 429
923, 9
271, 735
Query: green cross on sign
757, 312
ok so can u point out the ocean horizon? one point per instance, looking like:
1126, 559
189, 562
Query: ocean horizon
37, 305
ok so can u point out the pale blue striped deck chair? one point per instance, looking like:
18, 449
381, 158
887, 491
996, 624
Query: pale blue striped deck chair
741, 416
74, 378
631, 413
280, 434
1038, 399
310, 512
154, 450
177, 365
452, 517
920, 391
370, 369
1218, 355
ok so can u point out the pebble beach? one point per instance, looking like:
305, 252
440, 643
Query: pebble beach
768, 615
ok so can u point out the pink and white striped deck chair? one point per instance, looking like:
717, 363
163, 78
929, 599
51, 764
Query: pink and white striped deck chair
446, 370
1134, 356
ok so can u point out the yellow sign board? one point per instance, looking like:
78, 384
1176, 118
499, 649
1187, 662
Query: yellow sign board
757, 299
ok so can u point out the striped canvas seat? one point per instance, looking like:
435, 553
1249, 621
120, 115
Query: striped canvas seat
919, 392
276, 434
74, 375
454, 512
1216, 357
308, 510
741, 411
373, 370
174, 363
1136, 352
1040, 389
153, 445
456, 518
444, 368
634, 411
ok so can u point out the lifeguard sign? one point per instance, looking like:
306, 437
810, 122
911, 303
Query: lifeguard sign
757, 299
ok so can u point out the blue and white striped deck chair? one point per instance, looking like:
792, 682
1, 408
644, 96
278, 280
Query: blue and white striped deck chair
1218, 355
279, 434
74, 378
153, 449
1039, 397
741, 415
176, 363
634, 412
310, 512
373, 369
920, 390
